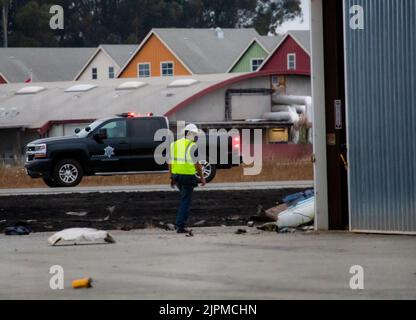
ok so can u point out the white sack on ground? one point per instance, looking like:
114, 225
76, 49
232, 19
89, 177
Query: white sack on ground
302, 213
80, 234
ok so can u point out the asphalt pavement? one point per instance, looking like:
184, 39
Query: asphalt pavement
159, 188
215, 264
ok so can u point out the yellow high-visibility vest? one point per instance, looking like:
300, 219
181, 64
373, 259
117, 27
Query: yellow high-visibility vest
181, 157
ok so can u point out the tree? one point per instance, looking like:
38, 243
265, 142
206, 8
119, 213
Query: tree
32, 26
92, 22
5, 21
271, 14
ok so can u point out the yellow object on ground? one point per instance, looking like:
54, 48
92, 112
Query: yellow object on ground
82, 283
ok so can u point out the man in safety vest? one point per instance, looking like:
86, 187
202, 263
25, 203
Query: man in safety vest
183, 167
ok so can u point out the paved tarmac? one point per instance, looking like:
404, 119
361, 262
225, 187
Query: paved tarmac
215, 264
159, 188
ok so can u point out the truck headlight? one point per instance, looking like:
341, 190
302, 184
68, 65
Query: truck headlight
38, 150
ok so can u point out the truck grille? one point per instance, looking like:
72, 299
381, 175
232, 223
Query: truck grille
29, 153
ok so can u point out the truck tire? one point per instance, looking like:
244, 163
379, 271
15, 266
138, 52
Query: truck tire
50, 182
209, 171
67, 173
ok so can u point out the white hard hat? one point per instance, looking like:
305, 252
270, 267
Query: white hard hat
192, 128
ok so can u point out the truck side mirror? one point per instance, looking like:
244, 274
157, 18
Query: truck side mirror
100, 135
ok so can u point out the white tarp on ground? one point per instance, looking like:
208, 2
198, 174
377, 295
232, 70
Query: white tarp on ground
302, 213
80, 234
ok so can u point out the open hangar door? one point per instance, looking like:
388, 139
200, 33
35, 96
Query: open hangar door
363, 83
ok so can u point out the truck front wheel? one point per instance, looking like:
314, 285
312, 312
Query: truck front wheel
67, 173
209, 171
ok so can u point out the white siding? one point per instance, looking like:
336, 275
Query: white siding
212, 106
298, 85
102, 62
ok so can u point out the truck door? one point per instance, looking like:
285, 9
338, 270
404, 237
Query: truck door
143, 146
110, 154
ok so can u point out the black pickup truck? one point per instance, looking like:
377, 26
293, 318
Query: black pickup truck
120, 145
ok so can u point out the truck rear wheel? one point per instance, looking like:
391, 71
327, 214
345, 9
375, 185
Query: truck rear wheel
67, 173
209, 171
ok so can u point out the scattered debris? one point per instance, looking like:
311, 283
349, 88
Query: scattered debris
295, 210
83, 214
300, 214
287, 230
78, 214
80, 234
274, 212
261, 216
107, 218
233, 218
241, 231
82, 283
295, 198
167, 227
250, 224
17, 231
308, 228
270, 226
199, 223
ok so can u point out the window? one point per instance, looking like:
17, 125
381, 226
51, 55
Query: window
111, 73
145, 128
94, 74
278, 135
256, 63
143, 70
116, 129
167, 69
291, 61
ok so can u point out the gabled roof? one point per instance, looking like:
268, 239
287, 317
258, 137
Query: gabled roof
301, 37
43, 64
268, 43
201, 50
118, 53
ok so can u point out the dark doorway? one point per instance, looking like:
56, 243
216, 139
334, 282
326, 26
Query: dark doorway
335, 114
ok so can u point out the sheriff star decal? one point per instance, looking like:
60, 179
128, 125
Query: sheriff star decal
108, 152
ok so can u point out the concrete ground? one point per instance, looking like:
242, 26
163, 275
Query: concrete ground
215, 264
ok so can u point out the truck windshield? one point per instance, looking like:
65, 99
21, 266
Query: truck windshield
84, 132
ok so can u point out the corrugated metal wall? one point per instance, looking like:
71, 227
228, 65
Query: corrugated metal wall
381, 106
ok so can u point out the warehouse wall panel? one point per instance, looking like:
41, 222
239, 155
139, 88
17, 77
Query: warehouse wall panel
381, 99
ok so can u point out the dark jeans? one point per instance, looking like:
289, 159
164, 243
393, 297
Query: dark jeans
186, 185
